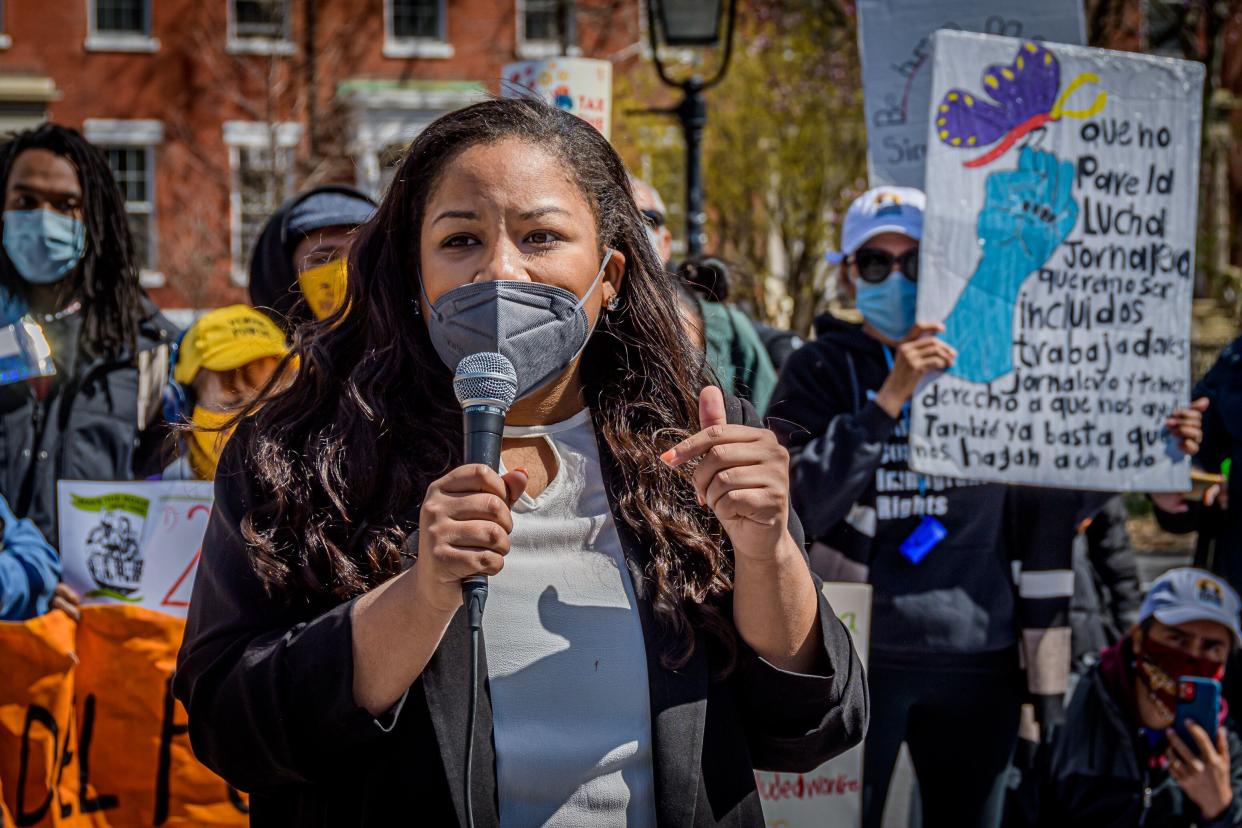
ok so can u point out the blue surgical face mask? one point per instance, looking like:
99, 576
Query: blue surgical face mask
889, 305
43, 245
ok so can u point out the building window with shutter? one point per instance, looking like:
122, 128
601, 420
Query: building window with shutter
416, 29
259, 27
546, 28
130, 148
128, 16
134, 174
120, 26
261, 159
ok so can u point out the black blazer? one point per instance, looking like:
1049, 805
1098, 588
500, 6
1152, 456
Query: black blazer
269, 690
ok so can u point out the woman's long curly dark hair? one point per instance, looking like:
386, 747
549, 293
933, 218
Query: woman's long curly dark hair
106, 280
344, 454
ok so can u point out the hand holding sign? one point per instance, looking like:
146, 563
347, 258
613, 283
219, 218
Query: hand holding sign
920, 353
1186, 426
742, 476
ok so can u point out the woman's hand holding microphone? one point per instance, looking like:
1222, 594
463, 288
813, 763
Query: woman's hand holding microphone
464, 527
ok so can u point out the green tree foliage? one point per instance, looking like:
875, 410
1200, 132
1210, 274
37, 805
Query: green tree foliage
784, 151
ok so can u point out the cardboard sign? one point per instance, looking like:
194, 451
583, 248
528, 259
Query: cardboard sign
134, 543
832, 793
894, 41
1058, 250
582, 86
90, 734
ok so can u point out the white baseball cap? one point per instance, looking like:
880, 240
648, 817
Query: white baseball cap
881, 210
1188, 594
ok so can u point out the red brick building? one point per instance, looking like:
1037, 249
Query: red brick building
213, 111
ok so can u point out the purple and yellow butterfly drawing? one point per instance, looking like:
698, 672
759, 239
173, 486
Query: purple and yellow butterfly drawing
1026, 98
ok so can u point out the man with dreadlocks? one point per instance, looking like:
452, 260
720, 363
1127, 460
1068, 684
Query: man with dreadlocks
67, 262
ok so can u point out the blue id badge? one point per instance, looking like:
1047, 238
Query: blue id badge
923, 539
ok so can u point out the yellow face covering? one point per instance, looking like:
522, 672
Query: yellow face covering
324, 287
207, 440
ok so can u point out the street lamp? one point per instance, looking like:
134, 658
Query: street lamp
691, 23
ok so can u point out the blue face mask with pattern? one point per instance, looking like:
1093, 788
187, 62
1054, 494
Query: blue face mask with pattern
43, 245
889, 305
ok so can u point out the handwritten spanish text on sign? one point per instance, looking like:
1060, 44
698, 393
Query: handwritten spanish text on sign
894, 39
1058, 250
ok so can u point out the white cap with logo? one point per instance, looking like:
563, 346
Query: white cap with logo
1187, 594
880, 210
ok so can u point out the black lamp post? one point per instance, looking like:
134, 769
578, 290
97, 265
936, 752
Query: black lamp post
691, 23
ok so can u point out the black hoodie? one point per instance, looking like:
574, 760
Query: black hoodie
854, 491
274, 287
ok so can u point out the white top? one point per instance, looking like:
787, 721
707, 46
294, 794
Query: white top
565, 658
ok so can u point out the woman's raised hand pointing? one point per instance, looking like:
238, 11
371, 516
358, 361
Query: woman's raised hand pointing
742, 476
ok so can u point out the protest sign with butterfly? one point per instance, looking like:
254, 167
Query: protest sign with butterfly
1058, 251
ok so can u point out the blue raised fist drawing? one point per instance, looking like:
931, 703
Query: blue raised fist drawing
1026, 215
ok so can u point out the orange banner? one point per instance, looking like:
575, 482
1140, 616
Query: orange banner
90, 734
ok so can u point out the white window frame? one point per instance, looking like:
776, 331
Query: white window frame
145, 135
434, 48
382, 118
239, 135
536, 49
140, 42
260, 45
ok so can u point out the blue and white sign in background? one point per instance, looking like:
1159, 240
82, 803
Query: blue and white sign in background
894, 40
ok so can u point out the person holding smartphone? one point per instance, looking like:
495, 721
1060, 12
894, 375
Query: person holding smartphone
1118, 760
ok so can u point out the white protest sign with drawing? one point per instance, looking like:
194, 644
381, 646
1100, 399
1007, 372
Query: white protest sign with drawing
894, 43
832, 793
134, 542
1058, 250
581, 86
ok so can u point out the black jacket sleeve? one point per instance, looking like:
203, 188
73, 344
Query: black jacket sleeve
1225, 372
1112, 559
795, 722
269, 692
835, 444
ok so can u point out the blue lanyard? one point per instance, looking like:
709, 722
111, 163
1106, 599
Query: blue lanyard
905, 418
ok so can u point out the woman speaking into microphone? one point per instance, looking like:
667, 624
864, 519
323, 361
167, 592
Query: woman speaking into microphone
653, 631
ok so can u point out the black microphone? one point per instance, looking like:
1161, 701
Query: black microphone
486, 385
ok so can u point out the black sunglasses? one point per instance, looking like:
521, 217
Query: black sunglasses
874, 264
654, 216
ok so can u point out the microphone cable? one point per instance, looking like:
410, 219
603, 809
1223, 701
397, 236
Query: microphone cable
474, 606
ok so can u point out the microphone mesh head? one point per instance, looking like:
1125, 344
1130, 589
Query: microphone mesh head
486, 378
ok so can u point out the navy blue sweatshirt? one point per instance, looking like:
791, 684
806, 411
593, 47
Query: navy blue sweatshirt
853, 488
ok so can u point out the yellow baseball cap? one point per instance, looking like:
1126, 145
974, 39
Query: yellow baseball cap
227, 338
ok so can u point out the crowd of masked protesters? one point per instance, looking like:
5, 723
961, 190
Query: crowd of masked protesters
1016, 655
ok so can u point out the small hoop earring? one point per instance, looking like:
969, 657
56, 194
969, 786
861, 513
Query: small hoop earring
614, 302
414, 304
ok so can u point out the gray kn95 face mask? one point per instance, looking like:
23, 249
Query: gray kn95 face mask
540, 328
